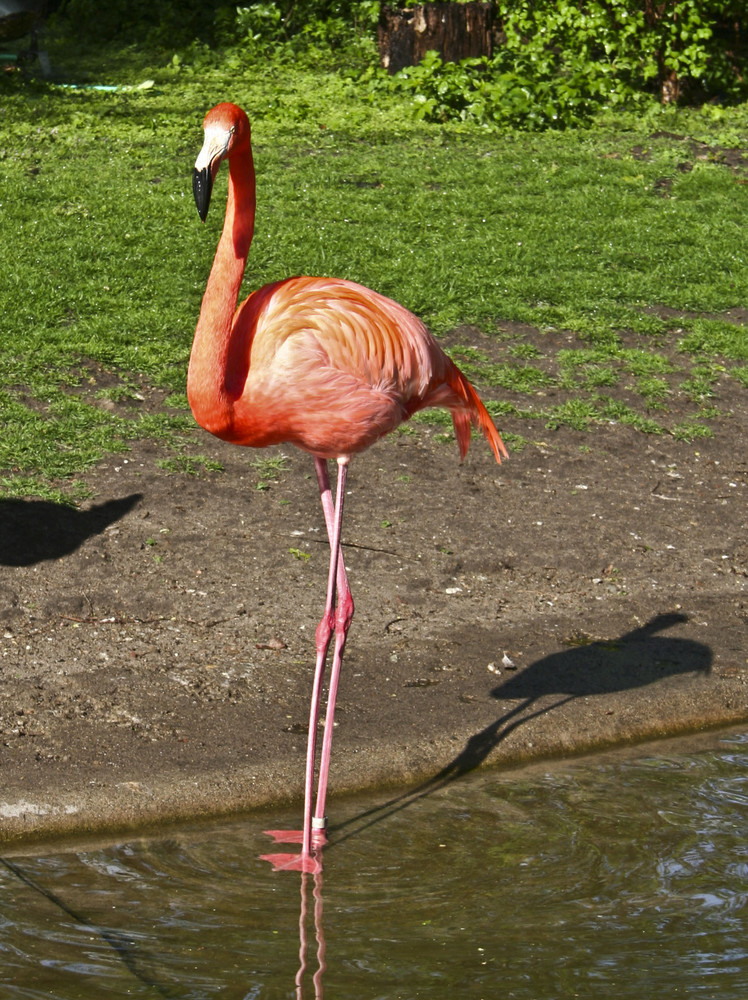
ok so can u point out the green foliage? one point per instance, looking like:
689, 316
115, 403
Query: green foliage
262, 22
557, 64
560, 61
155, 22
58, 437
515, 378
489, 92
654, 390
214, 32
325, 20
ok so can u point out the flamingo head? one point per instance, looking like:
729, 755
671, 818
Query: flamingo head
226, 129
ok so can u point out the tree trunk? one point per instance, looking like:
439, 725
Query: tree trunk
455, 30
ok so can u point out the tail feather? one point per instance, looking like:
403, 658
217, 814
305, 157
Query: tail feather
475, 413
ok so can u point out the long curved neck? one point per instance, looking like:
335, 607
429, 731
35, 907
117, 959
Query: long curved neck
209, 374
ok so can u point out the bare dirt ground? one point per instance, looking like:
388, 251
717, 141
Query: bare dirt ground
158, 644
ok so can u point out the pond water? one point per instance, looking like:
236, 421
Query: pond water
622, 876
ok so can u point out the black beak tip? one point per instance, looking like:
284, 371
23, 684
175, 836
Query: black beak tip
202, 184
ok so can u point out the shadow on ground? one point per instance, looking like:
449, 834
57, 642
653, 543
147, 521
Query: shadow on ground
636, 659
33, 531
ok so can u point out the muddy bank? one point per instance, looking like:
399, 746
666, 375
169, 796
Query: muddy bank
158, 645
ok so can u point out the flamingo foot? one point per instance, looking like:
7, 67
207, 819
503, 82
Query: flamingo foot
293, 863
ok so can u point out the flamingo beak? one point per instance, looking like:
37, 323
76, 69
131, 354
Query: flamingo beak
202, 186
215, 149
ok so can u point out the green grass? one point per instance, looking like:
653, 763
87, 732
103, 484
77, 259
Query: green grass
712, 337
567, 235
269, 470
193, 465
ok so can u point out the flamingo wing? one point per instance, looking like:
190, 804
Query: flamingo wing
332, 366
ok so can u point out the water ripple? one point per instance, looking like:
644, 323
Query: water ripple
609, 876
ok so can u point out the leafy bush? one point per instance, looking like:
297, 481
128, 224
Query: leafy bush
281, 20
296, 25
259, 23
556, 64
159, 22
559, 61
269, 25
489, 92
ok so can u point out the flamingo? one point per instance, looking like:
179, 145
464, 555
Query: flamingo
321, 363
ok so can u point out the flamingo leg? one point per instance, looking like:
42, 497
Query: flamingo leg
343, 617
323, 636
312, 834
328, 508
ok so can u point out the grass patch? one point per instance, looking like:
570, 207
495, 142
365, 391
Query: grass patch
691, 430
510, 376
596, 376
617, 412
715, 337
269, 470
569, 235
525, 351
653, 390
23, 487
192, 465
56, 438
432, 418
120, 394
575, 413
700, 384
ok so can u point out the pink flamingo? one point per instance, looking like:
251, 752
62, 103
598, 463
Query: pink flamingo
321, 363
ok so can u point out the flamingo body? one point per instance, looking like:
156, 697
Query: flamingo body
329, 366
321, 363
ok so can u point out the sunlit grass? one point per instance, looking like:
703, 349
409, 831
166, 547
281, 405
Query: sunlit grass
566, 234
192, 465
691, 430
653, 390
269, 469
710, 337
